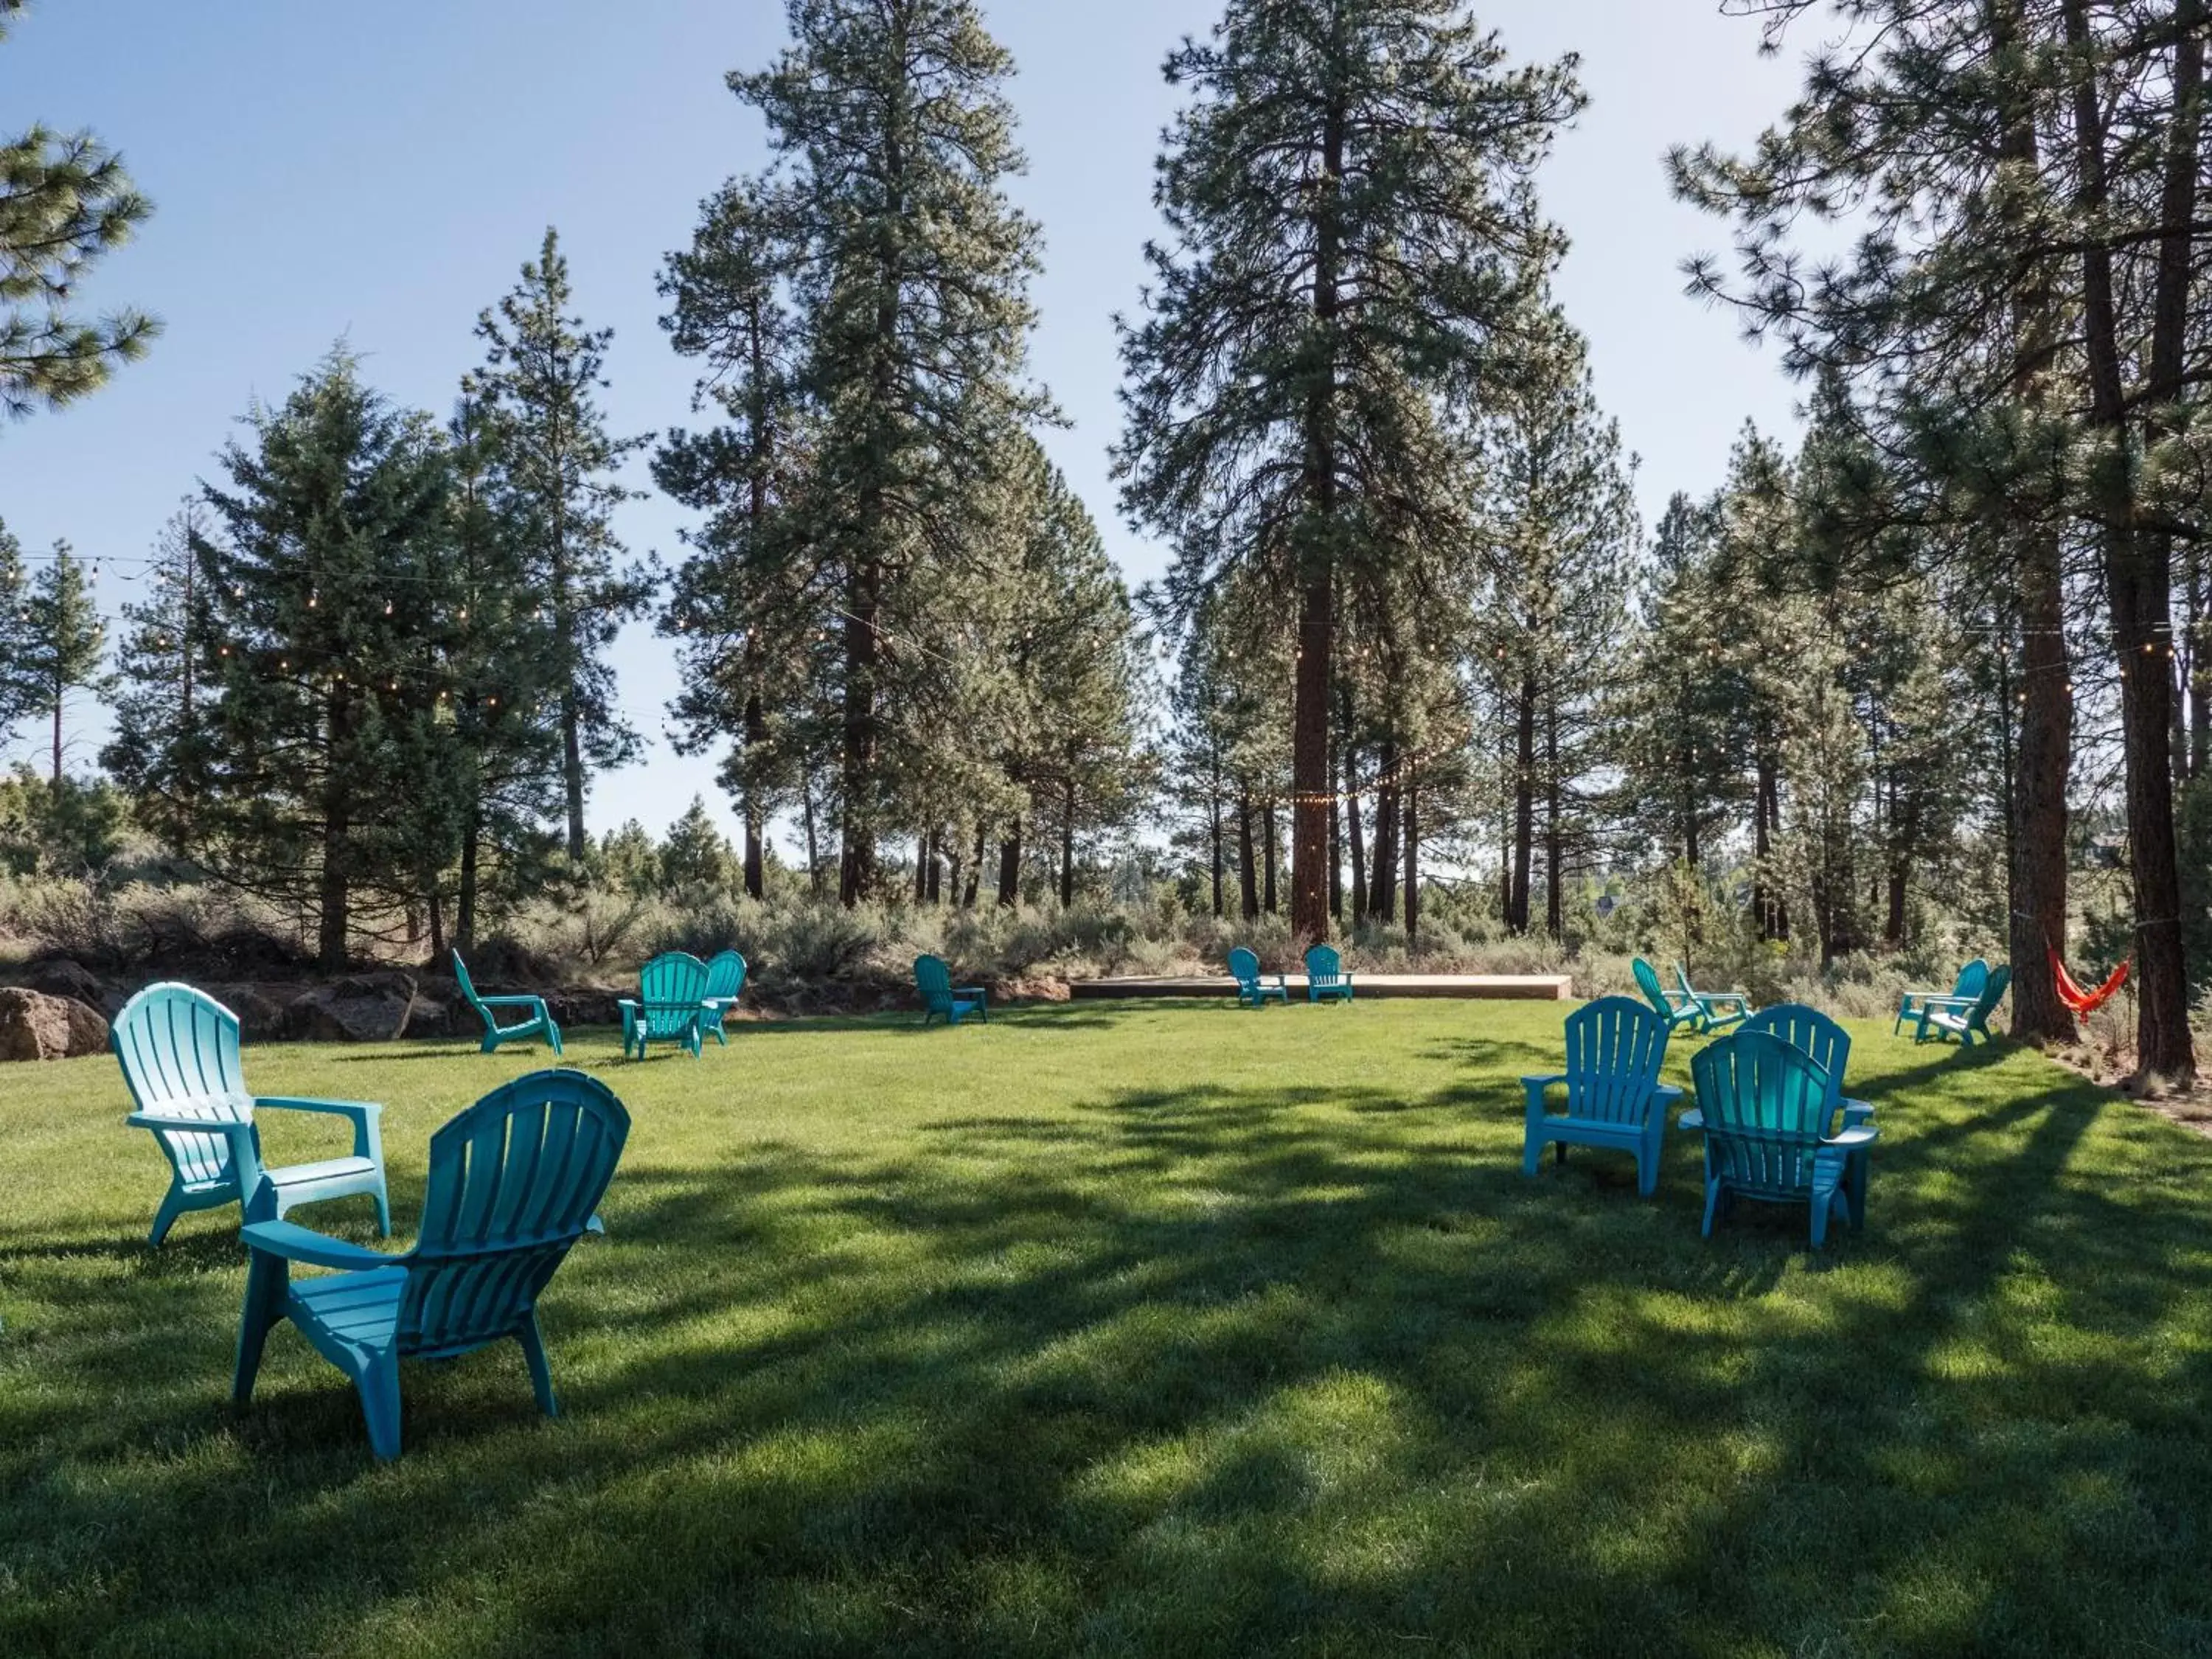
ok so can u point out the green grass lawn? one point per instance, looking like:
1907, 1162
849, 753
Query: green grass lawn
1164, 1329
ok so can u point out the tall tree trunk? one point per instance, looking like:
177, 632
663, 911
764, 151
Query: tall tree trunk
1010, 864
1905, 850
1335, 847
1067, 841
1355, 830
1247, 877
921, 866
1383, 878
975, 868
1555, 878
936, 894
1267, 848
1317, 548
336, 888
2139, 573
464, 902
2199, 680
58, 733
1413, 833
1766, 905
435, 901
1215, 800
755, 735
2041, 759
1524, 801
813, 844
857, 864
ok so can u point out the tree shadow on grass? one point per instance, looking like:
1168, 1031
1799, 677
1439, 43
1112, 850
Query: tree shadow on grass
1228, 1368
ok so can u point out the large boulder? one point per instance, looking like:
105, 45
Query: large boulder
364, 1008
260, 1008
36, 1026
578, 1005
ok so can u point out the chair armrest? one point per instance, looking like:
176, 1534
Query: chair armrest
981, 994
1856, 1112
1929, 1003
1668, 1094
1690, 1122
297, 1243
1857, 1134
361, 1111
510, 1002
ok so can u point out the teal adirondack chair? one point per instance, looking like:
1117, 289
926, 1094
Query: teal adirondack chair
726, 982
180, 1052
1717, 1009
1615, 1046
1966, 1019
1973, 979
1830, 1045
940, 997
1251, 991
1669, 1006
669, 1006
539, 1023
1326, 980
514, 1182
1764, 1106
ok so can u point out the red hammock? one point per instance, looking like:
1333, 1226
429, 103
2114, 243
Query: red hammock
2085, 1001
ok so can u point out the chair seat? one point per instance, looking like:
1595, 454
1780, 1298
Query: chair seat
356, 1311
327, 1170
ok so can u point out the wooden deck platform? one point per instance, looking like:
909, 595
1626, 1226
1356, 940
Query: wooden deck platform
1512, 988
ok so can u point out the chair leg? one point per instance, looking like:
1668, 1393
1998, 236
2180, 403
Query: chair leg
553, 1036
379, 1384
173, 1206
1712, 1204
1647, 1167
541, 1375
1532, 1154
1558, 1151
265, 1277
383, 1210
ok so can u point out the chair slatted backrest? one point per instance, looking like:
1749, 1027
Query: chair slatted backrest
1765, 1104
1828, 1043
1615, 1047
468, 985
934, 980
1324, 965
725, 975
1992, 995
1244, 967
1974, 979
514, 1181
1647, 980
179, 1048
671, 986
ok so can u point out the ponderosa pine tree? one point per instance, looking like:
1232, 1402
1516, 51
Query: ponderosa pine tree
1560, 522
63, 644
65, 201
908, 271
1350, 228
156, 715
742, 616
543, 372
18, 697
326, 581
1928, 126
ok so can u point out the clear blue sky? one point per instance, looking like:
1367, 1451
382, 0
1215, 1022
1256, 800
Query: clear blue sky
380, 173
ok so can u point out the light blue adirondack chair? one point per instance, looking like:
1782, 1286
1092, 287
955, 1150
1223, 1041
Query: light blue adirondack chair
514, 1183
540, 1022
1675, 1009
669, 1006
1251, 990
726, 982
941, 998
1966, 1019
1717, 1009
1830, 1045
1973, 979
180, 1051
1326, 980
1615, 1046
1764, 1106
